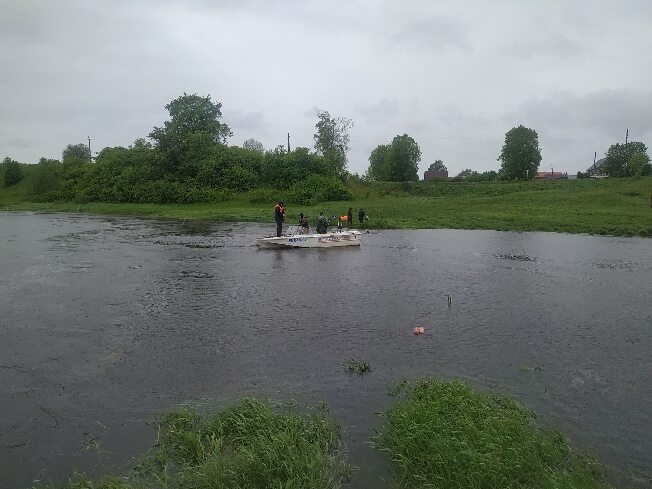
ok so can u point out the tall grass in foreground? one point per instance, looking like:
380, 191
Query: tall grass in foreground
447, 435
249, 445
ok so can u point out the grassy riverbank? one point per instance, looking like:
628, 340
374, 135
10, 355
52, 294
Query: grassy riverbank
439, 435
618, 206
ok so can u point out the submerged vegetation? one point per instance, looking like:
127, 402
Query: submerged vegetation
447, 435
359, 367
440, 434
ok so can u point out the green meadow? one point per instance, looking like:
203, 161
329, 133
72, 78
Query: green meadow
611, 206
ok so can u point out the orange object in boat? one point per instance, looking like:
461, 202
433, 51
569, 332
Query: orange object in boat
344, 218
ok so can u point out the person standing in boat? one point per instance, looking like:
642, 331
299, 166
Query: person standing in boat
361, 216
349, 218
279, 215
322, 224
304, 227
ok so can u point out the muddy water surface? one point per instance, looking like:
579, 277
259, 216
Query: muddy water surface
107, 321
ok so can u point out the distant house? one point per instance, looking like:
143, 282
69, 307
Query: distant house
597, 168
431, 174
551, 175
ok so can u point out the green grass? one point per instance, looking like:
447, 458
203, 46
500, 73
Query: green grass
447, 435
439, 434
251, 444
616, 206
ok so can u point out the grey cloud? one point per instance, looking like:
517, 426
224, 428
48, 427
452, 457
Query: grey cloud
557, 46
433, 33
245, 122
385, 108
572, 127
604, 112
453, 75
20, 143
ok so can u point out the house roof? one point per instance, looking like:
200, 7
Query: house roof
597, 165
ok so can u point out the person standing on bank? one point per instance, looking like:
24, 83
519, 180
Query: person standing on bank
361, 216
349, 216
279, 215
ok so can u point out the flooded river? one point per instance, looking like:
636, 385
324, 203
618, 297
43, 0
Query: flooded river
105, 322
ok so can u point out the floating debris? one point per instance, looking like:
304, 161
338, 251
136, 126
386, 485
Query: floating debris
509, 256
419, 330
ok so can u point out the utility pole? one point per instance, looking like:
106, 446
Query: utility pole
90, 155
626, 136
288, 142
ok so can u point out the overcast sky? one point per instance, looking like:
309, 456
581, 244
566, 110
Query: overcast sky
453, 75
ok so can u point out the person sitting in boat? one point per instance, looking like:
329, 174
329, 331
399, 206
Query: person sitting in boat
322, 224
304, 227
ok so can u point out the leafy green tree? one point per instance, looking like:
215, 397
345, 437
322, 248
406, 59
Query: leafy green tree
281, 169
486, 176
379, 164
438, 165
521, 155
253, 145
403, 158
13, 173
76, 151
45, 177
637, 164
465, 173
194, 127
619, 155
332, 140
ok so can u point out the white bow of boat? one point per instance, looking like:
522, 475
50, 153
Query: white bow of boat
326, 240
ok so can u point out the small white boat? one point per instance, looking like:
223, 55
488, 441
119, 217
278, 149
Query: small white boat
327, 240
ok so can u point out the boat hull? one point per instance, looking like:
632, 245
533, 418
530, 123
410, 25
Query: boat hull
327, 240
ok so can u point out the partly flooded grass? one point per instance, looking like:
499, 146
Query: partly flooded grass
252, 444
618, 206
447, 435
439, 434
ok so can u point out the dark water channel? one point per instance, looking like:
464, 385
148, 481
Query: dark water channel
105, 322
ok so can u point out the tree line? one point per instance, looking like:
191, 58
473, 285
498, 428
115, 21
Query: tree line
188, 159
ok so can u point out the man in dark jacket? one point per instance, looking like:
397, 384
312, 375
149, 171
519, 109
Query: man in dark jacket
322, 224
349, 218
279, 214
361, 216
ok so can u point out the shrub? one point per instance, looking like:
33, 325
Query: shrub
263, 195
238, 179
317, 188
12, 171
